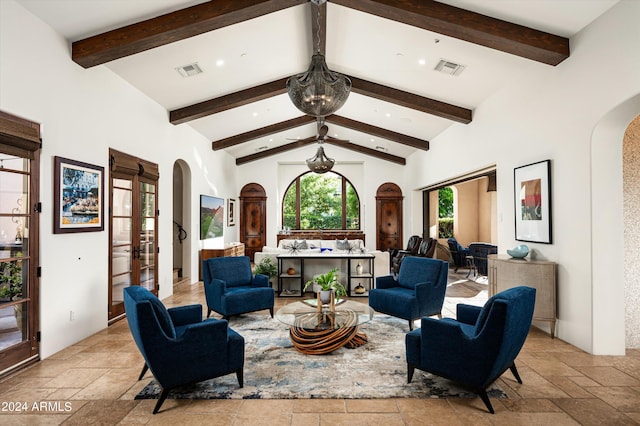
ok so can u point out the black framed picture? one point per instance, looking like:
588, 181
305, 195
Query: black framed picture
78, 196
532, 195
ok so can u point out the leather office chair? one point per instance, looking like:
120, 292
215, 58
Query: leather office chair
395, 255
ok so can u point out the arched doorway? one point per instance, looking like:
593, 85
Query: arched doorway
608, 242
181, 222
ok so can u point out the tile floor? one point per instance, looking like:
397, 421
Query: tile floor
95, 381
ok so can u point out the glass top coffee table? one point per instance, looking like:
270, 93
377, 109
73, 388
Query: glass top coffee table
320, 331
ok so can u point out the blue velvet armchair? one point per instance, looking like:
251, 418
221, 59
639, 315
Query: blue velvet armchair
231, 289
479, 346
418, 290
177, 345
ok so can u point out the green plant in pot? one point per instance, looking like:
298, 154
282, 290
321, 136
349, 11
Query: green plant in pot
267, 267
328, 282
10, 280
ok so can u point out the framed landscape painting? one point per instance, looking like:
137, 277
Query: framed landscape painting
532, 185
78, 196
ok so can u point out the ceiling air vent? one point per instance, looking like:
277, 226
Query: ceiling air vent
189, 70
448, 67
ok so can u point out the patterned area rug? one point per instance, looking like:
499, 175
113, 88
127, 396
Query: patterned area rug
273, 369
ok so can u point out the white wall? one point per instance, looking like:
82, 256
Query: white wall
83, 112
552, 117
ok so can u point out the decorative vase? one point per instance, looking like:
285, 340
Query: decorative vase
359, 289
291, 271
325, 296
359, 269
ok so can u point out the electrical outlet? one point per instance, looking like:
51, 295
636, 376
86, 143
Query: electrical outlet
72, 315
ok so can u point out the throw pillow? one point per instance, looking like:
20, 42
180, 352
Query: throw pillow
343, 244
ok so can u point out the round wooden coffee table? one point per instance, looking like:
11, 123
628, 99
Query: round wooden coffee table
316, 332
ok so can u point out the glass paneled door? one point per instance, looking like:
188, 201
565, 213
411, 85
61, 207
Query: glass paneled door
18, 287
133, 230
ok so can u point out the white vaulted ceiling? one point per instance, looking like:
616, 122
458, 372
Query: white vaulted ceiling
279, 44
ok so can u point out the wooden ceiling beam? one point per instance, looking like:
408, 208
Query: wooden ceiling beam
468, 26
334, 119
273, 151
411, 100
319, 27
226, 102
378, 132
368, 151
299, 144
171, 27
261, 132
363, 87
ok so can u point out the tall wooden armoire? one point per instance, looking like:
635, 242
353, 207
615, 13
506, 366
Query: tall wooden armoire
253, 218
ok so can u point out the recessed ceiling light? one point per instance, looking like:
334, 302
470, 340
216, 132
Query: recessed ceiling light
189, 70
422, 62
255, 114
388, 114
220, 62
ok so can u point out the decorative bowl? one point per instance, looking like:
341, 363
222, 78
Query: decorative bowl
519, 252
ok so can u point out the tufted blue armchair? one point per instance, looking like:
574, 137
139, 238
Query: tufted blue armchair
418, 290
177, 345
479, 346
231, 289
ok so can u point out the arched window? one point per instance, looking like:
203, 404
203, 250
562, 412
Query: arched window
321, 201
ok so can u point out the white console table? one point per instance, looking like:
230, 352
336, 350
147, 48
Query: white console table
305, 266
506, 272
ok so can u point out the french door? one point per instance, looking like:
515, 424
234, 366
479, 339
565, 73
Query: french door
19, 207
133, 208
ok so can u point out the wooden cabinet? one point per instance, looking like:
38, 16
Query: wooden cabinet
506, 272
236, 249
389, 217
253, 218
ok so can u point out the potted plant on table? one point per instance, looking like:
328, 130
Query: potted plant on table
328, 282
267, 267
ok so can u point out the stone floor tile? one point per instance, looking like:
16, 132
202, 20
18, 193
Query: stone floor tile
372, 406
319, 406
593, 412
76, 377
305, 419
530, 405
609, 376
528, 419
361, 419
101, 412
267, 407
569, 386
625, 399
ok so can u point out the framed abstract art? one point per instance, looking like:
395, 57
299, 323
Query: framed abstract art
532, 195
